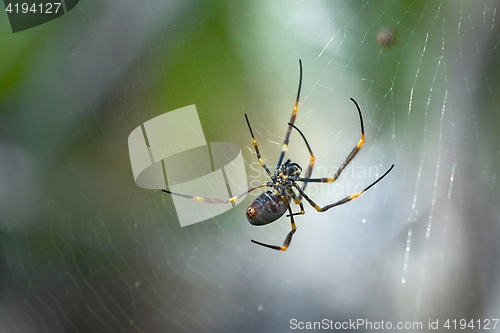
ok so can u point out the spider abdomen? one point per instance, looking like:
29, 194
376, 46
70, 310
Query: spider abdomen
267, 208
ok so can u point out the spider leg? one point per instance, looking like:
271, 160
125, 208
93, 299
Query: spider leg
256, 146
288, 238
344, 200
292, 120
311, 162
349, 158
298, 202
213, 200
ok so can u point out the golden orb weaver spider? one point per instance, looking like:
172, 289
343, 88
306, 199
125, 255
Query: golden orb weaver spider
272, 204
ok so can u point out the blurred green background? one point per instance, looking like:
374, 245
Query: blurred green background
84, 249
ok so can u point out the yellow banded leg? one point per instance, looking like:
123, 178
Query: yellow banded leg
344, 200
256, 147
214, 200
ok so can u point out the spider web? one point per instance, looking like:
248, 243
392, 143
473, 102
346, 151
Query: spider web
83, 249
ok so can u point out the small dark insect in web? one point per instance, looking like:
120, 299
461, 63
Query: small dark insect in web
387, 37
272, 204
